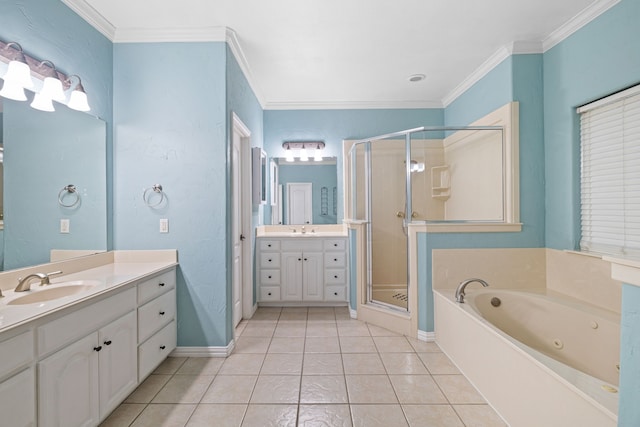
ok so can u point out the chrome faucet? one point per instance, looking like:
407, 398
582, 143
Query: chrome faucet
24, 283
461, 287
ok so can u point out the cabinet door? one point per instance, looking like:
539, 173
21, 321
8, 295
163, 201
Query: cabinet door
68, 385
291, 288
118, 362
312, 277
18, 396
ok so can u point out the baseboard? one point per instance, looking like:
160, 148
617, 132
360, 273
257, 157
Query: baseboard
203, 351
353, 313
426, 336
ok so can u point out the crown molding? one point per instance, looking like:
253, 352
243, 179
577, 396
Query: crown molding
92, 17
577, 22
236, 50
525, 47
500, 55
351, 105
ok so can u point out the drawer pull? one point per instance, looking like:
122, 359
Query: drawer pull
305, 259
335, 259
107, 342
162, 347
335, 293
335, 276
335, 245
269, 294
299, 259
269, 245
162, 313
269, 277
160, 284
98, 348
269, 260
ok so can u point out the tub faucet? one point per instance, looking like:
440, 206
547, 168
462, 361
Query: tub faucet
461, 287
24, 283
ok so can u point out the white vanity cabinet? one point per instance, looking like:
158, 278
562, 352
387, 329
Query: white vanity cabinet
302, 270
17, 380
84, 381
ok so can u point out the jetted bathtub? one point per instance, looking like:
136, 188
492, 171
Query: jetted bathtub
538, 358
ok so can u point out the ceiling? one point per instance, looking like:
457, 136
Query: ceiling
353, 53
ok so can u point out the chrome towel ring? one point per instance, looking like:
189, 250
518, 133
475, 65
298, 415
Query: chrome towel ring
66, 190
148, 195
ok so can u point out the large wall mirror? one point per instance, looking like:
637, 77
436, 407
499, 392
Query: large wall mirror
304, 192
43, 153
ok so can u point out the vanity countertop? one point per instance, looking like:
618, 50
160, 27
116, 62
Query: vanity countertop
115, 270
302, 231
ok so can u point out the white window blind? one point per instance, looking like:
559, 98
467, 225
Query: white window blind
610, 174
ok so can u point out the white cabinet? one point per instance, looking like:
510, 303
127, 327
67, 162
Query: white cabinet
82, 383
18, 394
306, 269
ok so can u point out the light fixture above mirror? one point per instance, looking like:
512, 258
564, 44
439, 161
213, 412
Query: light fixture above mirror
302, 149
18, 77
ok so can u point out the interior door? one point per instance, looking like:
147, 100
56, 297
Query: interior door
299, 203
236, 225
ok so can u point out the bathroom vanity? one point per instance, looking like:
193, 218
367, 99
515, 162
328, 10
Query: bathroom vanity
301, 265
73, 350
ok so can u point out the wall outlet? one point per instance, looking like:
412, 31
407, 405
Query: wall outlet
164, 225
64, 226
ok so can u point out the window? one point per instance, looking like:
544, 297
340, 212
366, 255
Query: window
610, 174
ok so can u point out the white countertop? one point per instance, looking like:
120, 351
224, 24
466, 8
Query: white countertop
105, 278
302, 231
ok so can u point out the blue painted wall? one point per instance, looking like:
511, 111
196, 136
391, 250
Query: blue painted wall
601, 58
48, 29
629, 411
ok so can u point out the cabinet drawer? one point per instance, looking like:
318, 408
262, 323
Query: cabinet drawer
155, 314
270, 260
62, 331
156, 349
335, 245
335, 277
269, 293
335, 293
269, 245
337, 259
157, 285
270, 277
16, 352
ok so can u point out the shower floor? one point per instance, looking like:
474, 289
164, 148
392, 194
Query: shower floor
395, 296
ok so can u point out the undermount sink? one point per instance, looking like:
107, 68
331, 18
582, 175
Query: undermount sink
59, 290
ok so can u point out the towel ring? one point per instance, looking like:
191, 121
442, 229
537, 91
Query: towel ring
148, 193
68, 189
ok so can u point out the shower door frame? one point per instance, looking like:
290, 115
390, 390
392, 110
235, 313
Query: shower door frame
368, 302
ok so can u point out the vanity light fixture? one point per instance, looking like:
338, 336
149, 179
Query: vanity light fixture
78, 99
303, 147
18, 75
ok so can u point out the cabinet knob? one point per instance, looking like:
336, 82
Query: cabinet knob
335, 293
107, 342
299, 259
335, 276
269, 245
162, 313
269, 277
335, 259
269, 260
162, 347
160, 284
98, 348
305, 259
269, 294
335, 245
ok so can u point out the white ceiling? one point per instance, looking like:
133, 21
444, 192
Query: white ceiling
353, 53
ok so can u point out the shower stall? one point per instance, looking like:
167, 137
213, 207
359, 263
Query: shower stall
426, 175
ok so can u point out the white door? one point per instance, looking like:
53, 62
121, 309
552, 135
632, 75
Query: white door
236, 226
299, 203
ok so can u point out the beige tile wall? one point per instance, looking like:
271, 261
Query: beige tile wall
583, 277
501, 268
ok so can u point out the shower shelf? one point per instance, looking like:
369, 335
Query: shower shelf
440, 182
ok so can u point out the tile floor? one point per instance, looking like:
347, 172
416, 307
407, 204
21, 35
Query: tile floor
309, 367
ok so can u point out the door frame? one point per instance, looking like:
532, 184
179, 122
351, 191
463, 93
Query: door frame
237, 126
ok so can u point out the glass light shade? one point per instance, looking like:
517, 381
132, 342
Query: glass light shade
317, 156
289, 155
78, 101
19, 73
304, 157
52, 89
12, 90
42, 103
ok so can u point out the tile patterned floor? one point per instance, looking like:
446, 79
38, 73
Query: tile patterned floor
309, 367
